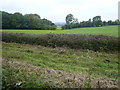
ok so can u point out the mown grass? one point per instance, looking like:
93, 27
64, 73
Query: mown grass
106, 30
101, 64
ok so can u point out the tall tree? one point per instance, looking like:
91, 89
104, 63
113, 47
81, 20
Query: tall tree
33, 20
69, 18
6, 20
17, 20
97, 21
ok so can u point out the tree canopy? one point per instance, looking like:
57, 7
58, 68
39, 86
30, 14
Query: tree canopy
70, 19
27, 21
96, 21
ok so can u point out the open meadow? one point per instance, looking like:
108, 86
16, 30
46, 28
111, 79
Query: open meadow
106, 30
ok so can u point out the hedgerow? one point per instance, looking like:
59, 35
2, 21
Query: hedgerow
74, 41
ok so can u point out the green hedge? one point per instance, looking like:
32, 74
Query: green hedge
91, 42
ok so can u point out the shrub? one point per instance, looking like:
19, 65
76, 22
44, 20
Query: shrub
74, 41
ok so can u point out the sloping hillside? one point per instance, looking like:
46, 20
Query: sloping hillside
37, 66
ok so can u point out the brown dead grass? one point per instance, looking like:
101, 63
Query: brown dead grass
63, 78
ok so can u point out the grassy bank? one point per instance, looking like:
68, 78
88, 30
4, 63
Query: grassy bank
106, 30
103, 64
33, 66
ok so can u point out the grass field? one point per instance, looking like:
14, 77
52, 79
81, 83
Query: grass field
57, 67
63, 59
106, 30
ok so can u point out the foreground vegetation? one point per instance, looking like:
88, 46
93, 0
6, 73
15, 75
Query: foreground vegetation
106, 30
33, 66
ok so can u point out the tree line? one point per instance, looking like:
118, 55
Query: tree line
27, 21
96, 21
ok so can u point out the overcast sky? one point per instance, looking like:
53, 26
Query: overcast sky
56, 10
